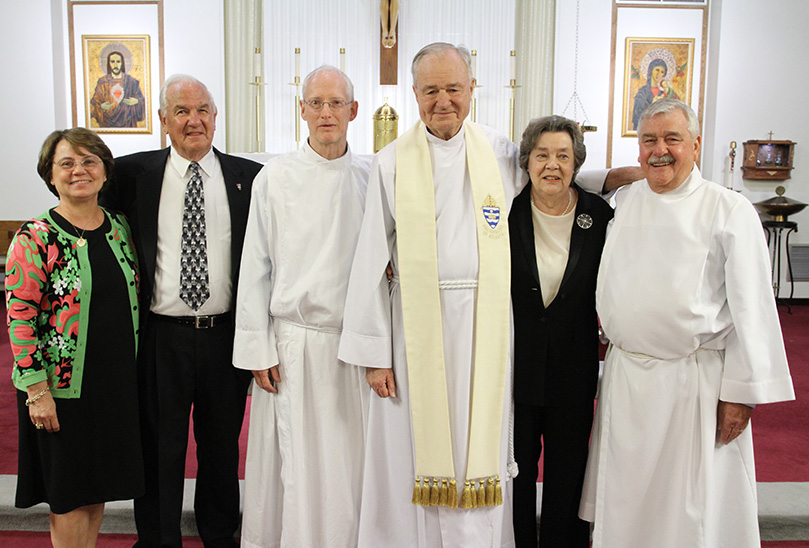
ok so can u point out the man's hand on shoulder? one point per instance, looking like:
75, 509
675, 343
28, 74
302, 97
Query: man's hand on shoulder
620, 176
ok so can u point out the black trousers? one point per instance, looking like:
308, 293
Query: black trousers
565, 432
184, 370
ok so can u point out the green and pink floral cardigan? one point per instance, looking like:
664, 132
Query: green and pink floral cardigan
48, 283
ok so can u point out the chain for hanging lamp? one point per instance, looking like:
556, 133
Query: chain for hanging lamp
575, 100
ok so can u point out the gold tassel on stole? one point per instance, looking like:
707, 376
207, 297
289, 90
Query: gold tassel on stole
481, 495
442, 498
466, 497
498, 493
417, 492
434, 493
425, 492
490, 492
453, 494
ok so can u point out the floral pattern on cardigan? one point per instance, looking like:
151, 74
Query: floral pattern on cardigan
48, 287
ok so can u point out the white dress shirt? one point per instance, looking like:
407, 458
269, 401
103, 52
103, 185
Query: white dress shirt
166, 296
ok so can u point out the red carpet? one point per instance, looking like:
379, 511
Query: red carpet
781, 430
27, 539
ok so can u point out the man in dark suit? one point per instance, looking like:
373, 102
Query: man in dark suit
188, 207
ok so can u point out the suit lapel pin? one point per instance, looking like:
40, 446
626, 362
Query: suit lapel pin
584, 221
239, 186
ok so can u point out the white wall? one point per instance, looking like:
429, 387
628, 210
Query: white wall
593, 78
758, 78
27, 106
759, 73
755, 74
33, 37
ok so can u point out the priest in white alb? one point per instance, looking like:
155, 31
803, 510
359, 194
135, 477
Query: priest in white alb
306, 440
684, 295
438, 199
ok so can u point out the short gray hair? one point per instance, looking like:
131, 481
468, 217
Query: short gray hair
667, 106
181, 79
328, 68
437, 48
553, 124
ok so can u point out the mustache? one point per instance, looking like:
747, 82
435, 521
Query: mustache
666, 158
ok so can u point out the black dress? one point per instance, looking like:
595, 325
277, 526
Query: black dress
96, 456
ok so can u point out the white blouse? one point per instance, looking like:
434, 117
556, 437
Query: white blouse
552, 244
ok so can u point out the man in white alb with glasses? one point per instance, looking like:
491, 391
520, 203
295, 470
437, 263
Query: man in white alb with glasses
306, 442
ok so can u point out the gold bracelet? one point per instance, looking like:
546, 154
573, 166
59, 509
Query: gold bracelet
29, 401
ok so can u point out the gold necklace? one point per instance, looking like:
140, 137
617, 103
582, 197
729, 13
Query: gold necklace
81, 242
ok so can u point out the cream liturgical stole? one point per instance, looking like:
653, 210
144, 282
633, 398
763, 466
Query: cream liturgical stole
421, 308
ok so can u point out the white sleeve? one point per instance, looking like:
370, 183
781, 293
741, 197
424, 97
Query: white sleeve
366, 337
756, 369
592, 180
254, 345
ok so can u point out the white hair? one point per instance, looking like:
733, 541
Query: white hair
438, 48
181, 79
669, 105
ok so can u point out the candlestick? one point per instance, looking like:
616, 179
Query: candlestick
732, 155
473, 112
297, 84
258, 83
513, 65
729, 164
513, 85
297, 114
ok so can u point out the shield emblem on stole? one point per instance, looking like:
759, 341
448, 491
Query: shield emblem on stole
491, 212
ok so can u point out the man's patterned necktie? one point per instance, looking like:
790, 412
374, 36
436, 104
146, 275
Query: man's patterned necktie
194, 290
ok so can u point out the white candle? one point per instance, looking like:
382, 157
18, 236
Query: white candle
513, 65
297, 62
474, 64
343, 59
257, 63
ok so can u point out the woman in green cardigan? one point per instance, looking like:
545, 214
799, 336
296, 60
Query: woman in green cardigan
71, 292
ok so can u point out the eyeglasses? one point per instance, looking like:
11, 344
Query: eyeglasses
335, 104
87, 163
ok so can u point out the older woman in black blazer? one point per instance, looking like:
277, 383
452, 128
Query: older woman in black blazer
557, 234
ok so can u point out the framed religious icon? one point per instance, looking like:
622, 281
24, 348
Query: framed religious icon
655, 68
117, 91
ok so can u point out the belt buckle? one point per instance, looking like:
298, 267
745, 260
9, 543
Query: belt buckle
203, 322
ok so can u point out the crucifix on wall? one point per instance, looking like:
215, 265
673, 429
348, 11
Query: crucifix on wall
389, 43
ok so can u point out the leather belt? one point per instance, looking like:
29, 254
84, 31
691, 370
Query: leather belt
197, 322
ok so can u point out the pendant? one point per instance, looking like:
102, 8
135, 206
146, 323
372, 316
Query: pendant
81, 242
